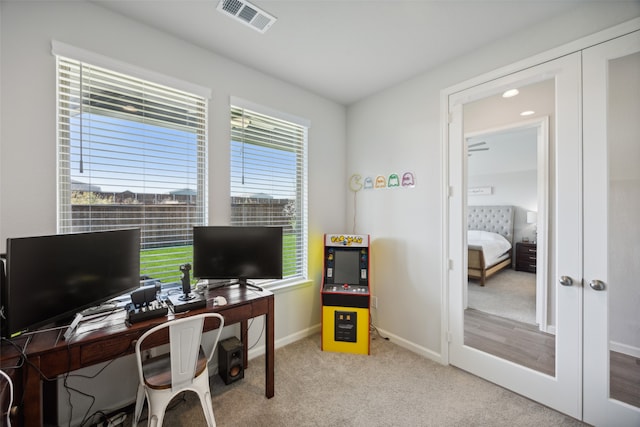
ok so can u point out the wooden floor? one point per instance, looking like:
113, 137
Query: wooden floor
625, 378
524, 344
508, 339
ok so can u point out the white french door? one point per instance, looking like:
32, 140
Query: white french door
562, 239
592, 235
611, 82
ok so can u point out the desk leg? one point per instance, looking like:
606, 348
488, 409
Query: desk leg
269, 356
244, 339
32, 409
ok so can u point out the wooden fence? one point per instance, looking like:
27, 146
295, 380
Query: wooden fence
172, 224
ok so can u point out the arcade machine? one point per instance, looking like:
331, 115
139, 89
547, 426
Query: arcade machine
345, 294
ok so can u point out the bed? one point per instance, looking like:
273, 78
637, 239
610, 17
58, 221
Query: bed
489, 240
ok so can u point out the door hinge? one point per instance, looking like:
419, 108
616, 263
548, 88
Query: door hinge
449, 337
450, 264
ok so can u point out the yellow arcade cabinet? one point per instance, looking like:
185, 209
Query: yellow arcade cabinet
345, 294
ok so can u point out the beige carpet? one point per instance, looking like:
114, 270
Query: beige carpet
391, 387
508, 293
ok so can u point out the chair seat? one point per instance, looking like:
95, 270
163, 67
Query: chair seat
157, 370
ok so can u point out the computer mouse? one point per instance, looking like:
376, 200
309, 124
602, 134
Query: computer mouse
219, 300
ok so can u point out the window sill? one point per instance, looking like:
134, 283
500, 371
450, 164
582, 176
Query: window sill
288, 285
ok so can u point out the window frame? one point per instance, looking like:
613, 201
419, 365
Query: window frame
302, 268
64, 202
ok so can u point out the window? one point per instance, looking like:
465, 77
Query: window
131, 153
269, 180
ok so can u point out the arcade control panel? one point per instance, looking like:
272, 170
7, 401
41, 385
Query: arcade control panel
347, 289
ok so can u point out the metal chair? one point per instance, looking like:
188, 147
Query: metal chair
6, 398
184, 368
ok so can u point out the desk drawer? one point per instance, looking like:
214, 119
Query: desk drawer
236, 314
107, 349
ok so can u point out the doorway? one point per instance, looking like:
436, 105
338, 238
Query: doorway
507, 168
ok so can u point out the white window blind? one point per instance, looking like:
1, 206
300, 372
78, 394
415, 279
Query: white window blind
269, 181
131, 153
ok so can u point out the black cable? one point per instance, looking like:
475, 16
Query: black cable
24, 359
375, 329
20, 350
69, 388
259, 336
89, 420
251, 323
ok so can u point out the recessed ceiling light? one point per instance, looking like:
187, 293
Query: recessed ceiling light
510, 93
527, 113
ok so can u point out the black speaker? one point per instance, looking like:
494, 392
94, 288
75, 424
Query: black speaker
230, 363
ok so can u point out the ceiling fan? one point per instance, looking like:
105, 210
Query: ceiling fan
476, 147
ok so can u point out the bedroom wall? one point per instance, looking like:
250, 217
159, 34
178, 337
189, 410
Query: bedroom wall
398, 129
514, 188
28, 133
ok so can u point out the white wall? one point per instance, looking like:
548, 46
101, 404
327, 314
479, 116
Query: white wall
399, 129
28, 129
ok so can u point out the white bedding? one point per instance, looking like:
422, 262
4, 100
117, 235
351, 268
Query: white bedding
493, 245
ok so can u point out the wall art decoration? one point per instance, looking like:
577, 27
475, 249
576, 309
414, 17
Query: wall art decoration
480, 191
408, 180
392, 181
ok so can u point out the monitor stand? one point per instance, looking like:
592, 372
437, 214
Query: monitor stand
242, 282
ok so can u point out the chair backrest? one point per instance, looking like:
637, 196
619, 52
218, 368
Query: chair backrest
185, 336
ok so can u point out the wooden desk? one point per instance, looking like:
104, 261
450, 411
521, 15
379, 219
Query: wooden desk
49, 355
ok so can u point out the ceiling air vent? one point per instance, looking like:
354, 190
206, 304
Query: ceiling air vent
247, 13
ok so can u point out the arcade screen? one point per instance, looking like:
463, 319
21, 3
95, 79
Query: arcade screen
346, 266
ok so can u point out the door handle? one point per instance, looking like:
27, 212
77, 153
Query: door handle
566, 281
597, 285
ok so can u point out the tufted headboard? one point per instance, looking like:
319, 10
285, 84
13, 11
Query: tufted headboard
496, 219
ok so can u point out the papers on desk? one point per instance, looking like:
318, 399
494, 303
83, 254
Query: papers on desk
84, 324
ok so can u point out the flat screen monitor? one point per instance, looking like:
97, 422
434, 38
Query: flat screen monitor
50, 278
237, 253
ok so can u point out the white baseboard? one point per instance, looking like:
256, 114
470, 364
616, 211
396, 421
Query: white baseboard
624, 349
259, 350
422, 351
425, 352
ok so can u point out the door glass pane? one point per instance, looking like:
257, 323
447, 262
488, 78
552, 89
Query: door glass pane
509, 303
623, 134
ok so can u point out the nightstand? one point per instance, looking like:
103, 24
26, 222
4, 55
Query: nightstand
526, 255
